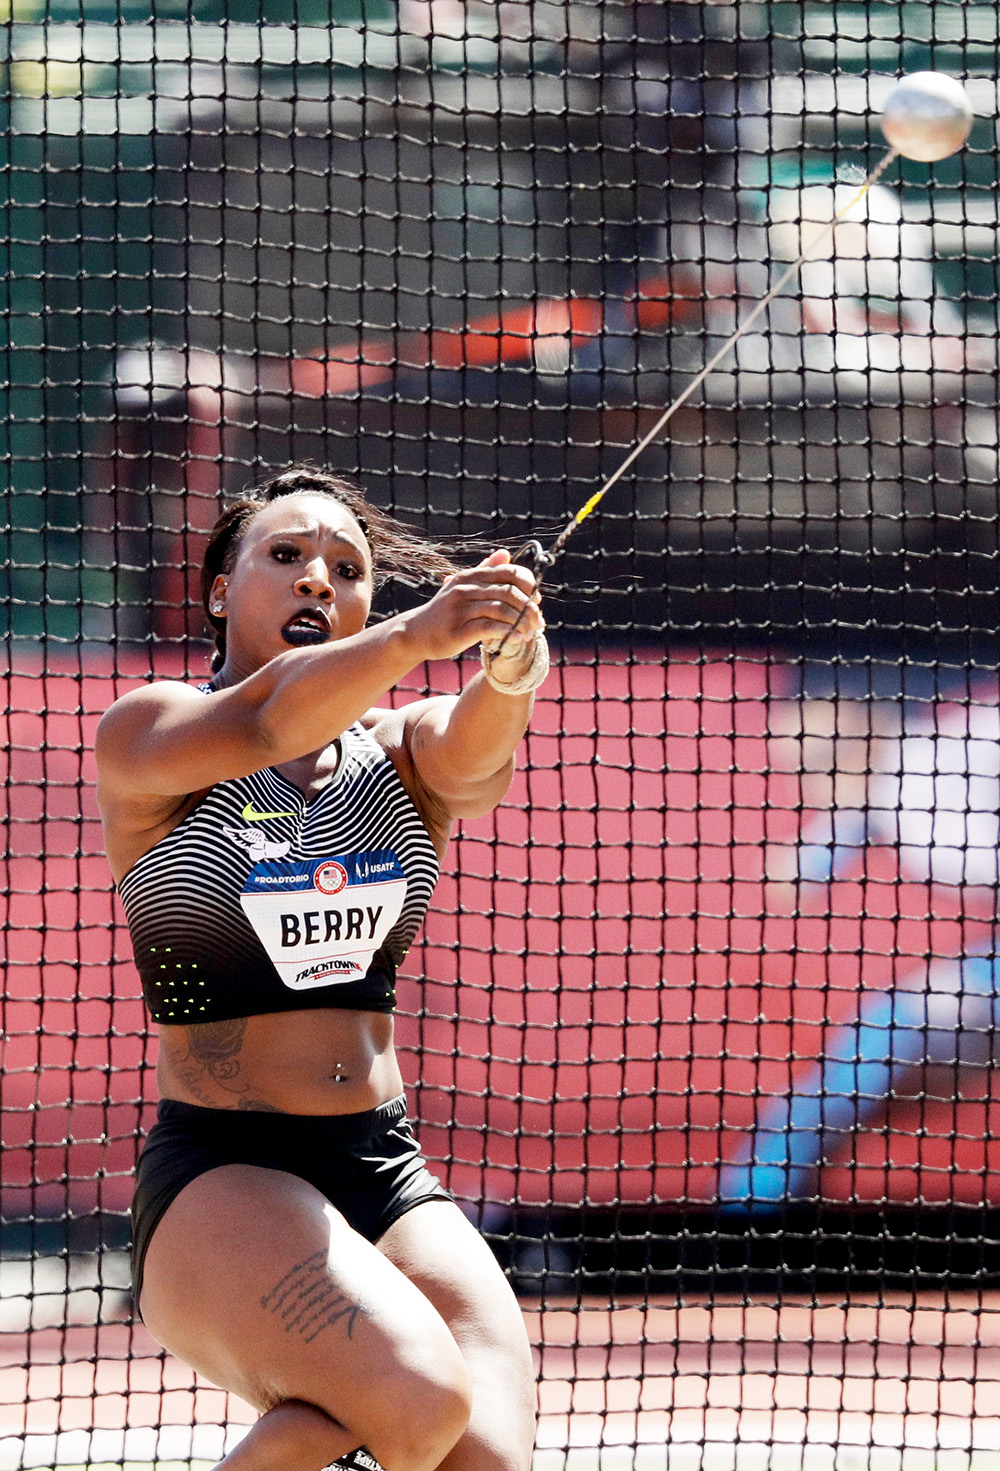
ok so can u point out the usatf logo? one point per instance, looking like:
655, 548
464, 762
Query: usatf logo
330, 878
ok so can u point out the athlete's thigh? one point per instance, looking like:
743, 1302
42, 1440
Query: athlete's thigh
447, 1259
257, 1282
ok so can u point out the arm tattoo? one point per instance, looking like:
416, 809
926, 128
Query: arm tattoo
306, 1300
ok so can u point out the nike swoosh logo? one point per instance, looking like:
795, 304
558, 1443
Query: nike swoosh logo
250, 814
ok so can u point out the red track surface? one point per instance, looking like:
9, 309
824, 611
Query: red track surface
605, 987
801, 1378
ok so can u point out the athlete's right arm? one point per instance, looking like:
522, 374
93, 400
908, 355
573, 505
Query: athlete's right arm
164, 741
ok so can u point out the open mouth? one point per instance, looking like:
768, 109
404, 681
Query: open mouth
306, 628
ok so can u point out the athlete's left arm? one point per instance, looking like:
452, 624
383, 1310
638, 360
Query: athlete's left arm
463, 749
456, 753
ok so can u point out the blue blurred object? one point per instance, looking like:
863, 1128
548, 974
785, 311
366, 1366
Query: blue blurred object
951, 1023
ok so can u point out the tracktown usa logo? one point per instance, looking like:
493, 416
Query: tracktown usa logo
330, 878
326, 968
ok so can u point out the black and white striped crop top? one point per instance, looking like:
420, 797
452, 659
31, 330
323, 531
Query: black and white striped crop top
260, 901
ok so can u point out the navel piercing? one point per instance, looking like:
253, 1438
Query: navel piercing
337, 1074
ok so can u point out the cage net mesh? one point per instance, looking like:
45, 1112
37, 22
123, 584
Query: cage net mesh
701, 1028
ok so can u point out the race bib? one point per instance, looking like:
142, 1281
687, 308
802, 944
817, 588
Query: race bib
322, 920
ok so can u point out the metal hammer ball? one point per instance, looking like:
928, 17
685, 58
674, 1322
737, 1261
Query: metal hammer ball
927, 117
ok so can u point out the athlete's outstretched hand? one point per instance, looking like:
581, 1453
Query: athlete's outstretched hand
481, 605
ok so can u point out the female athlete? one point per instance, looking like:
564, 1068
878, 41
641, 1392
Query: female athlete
275, 835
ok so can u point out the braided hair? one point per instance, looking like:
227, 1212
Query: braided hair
395, 549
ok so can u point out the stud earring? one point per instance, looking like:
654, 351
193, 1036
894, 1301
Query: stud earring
217, 607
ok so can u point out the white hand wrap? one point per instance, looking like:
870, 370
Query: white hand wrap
524, 683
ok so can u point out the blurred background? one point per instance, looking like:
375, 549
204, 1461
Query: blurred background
702, 1028
404, 240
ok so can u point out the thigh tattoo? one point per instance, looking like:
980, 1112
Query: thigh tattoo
307, 1301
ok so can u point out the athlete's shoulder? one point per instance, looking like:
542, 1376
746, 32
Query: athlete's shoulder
144, 703
374, 718
157, 694
392, 729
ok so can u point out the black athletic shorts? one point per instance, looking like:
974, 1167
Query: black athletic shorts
368, 1165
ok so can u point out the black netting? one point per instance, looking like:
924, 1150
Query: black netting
701, 1029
